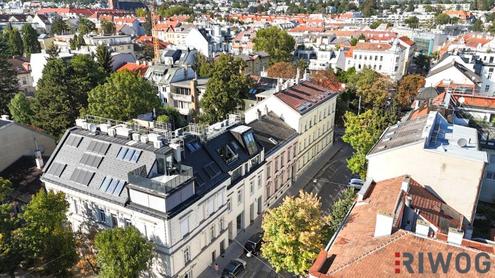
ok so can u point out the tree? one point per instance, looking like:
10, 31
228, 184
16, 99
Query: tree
326, 79
123, 97
86, 75
368, 7
104, 58
76, 42
85, 26
423, 63
283, 70
361, 132
20, 109
276, 42
408, 89
122, 252
412, 22
59, 27
372, 87
376, 23
202, 66
30, 40
294, 233
8, 84
442, 19
46, 238
477, 26
10, 255
340, 208
52, 51
353, 41
225, 88
107, 27
14, 42
141, 12
54, 105
169, 114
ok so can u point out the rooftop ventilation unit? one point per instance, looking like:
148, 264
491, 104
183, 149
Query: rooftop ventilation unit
144, 139
81, 123
136, 137
104, 127
111, 132
157, 144
462, 142
123, 131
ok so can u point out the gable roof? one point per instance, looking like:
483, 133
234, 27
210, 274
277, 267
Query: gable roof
304, 96
272, 132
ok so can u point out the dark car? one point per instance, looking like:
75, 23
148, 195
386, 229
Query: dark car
253, 244
234, 268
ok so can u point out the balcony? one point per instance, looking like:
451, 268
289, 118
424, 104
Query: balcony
163, 184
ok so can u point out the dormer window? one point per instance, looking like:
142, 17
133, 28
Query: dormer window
250, 143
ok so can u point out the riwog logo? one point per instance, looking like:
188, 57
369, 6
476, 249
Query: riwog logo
442, 262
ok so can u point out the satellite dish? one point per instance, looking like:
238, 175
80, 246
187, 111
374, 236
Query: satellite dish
462, 100
462, 142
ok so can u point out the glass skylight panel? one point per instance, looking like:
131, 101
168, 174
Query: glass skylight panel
98, 147
119, 188
128, 154
250, 143
91, 160
135, 156
112, 186
122, 152
105, 183
73, 140
82, 176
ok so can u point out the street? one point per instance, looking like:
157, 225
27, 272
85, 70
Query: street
327, 182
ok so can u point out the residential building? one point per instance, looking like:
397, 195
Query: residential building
185, 95
387, 59
23, 70
256, 62
389, 219
189, 191
20, 140
452, 75
308, 109
328, 59
443, 156
279, 141
41, 23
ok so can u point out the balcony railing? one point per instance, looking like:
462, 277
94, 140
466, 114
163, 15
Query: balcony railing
137, 178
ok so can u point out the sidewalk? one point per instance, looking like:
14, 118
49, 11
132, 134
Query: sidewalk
235, 249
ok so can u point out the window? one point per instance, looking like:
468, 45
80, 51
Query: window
127, 222
268, 169
229, 205
487, 88
490, 175
259, 181
491, 59
236, 174
221, 224
187, 255
239, 197
227, 154
212, 233
276, 161
115, 221
184, 226
250, 143
251, 187
101, 216
381, 58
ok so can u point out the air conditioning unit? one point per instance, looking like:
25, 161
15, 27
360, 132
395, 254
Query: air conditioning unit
154, 137
123, 131
104, 127
81, 123
136, 137
144, 139
111, 132
157, 144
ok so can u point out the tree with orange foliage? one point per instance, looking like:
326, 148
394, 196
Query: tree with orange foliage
326, 79
408, 88
283, 70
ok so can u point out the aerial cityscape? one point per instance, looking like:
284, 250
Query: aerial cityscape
238, 138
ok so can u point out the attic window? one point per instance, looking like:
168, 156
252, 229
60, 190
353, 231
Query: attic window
250, 143
112, 186
227, 154
192, 147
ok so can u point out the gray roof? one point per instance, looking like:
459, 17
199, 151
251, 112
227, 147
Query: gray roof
467, 72
427, 93
3, 123
400, 134
272, 132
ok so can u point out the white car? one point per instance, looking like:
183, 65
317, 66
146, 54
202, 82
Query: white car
356, 183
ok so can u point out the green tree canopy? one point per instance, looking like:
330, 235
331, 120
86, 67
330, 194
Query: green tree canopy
168, 11
412, 22
85, 26
8, 84
169, 114
30, 40
368, 7
340, 209
294, 233
46, 238
59, 26
20, 109
408, 89
86, 75
442, 19
14, 42
107, 27
276, 42
283, 70
372, 87
477, 26
225, 88
55, 106
10, 255
104, 58
202, 66
123, 97
361, 132
122, 252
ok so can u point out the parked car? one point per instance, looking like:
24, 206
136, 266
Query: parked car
356, 183
253, 244
234, 268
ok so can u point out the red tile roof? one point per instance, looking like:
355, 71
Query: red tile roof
476, 101
306, 28
407, 40
356, 252
138, 68
304, 96
86, 12
368, 46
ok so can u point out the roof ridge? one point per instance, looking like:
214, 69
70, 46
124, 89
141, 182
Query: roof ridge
378, 248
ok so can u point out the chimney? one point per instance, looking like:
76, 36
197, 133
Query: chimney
384, 223
455, 236
194, 96
408, 201
422, 227
39, 159
298, 75
177, 150
405, 184
365, 190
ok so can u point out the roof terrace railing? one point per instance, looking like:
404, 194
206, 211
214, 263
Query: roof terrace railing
137, 178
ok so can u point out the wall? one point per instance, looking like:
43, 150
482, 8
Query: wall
453, 179
487, 193
18, 141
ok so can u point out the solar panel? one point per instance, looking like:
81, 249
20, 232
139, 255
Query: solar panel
98, 147
105, 183
56, 169
128, 154
119, 188
91, 160
73, 140
82, 176
112, 186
